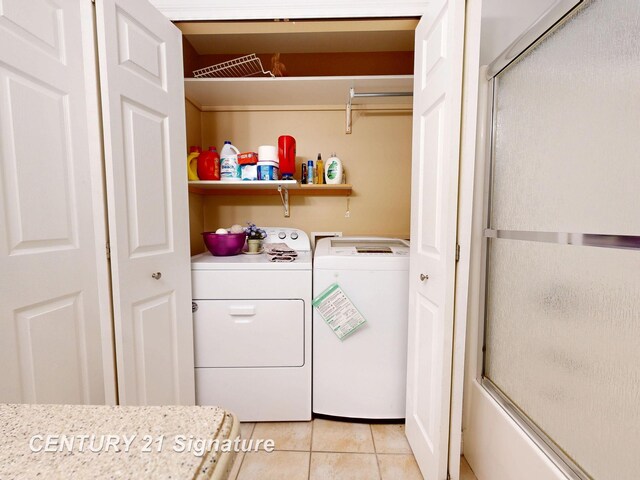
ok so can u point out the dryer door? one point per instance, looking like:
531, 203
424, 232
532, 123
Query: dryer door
249, 333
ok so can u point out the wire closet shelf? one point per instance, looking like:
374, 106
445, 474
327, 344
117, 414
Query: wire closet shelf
247, 66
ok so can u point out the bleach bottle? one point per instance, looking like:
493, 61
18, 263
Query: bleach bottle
229, 166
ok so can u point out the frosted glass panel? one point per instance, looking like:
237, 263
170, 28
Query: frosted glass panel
563, 343
567, 142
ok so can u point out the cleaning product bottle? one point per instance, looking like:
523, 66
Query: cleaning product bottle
319, 170
209, 165
192, 163
333, 170
229, 166
310, 172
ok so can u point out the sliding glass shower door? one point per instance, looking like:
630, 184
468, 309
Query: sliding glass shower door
562, 299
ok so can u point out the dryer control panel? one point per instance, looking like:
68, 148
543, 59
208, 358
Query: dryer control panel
293, 237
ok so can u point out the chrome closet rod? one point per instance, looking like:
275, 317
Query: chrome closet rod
381, 94
353, 94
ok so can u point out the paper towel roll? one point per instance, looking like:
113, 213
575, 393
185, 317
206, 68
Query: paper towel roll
268, 153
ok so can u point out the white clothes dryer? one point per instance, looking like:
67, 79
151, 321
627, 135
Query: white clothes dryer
252, 331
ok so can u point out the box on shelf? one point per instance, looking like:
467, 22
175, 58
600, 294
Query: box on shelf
249, 172
247, 158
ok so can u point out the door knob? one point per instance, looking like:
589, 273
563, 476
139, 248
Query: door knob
156, 275
423, 277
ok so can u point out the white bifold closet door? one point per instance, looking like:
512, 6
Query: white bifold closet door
140, 53
57, 330
55, 325
434, 190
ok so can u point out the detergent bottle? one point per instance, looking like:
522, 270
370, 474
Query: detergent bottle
229, 166
209, 165
333, 170
192, 163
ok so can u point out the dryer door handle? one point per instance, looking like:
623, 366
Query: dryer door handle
242, 310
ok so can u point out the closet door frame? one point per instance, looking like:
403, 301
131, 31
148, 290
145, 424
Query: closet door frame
178, 10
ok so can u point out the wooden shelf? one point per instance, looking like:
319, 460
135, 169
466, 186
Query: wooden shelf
211, 94
267, 187
342, 189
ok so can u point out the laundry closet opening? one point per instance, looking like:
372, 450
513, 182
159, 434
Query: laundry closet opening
314, 65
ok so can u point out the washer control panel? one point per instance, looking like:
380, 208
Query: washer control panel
294, 238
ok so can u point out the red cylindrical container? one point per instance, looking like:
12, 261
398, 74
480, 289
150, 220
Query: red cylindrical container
209, 165
287, 156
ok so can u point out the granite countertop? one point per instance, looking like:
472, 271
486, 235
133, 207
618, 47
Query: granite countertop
86, 441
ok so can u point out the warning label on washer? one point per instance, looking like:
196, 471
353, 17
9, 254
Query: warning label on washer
338, 311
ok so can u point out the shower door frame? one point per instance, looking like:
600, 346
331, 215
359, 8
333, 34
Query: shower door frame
561, 465
564, 463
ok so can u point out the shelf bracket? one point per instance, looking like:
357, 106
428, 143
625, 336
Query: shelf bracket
353, 94
284, 196
348, 129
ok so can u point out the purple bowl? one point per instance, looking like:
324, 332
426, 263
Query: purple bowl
222, 245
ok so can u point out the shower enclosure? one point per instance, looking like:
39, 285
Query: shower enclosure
562, 241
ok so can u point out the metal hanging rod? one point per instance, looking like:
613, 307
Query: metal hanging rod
353, 94
380, 94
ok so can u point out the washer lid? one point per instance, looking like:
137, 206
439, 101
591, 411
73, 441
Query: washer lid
369, 246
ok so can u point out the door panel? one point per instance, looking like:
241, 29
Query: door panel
55, 326
156, 353
140, 50
40, 24
429, 180
436, 147
49, 339
34, 106
146, 162
425, 344
140, 55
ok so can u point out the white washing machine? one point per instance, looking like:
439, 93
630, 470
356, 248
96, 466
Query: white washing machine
364, 374
252, 331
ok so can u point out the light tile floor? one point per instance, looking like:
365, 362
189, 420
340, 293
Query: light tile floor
330, 450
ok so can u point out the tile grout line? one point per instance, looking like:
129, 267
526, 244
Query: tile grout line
244, 453
310, 450
375, 451
240, 466
373, 440
313, 422
347, 452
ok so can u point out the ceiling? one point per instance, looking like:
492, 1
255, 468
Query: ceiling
305, 36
